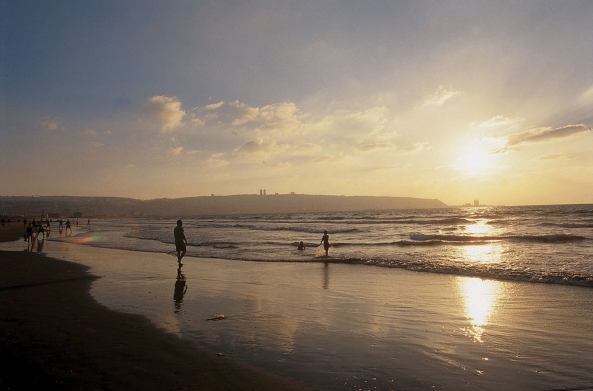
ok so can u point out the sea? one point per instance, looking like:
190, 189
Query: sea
472, 298
550, 244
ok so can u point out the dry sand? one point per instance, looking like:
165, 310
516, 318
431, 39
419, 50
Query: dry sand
54, 335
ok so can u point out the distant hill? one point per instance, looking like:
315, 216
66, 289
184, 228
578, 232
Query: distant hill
66, 206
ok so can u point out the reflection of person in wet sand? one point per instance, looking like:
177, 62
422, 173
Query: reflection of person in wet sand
180, 241
29, 236
325, 241
180, 289
40, 230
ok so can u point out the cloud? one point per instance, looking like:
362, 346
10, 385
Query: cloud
374, 146
214, 106
215, 160
175, 151
377, 116
369, 147
544, 134
260, 147
167, 110
416, 147
587, 96
280, 165
552, 156
49, 124
440, 96
278, 117
498, 121
305, 148
97, 144
329, 158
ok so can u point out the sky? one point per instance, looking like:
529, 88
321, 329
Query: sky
454, 100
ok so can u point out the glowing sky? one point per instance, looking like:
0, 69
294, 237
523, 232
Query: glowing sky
433, 99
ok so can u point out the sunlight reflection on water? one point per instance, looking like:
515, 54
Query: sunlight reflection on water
479, 298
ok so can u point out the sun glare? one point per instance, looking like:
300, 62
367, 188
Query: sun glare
475, 158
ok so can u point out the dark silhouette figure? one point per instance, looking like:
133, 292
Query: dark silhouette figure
301, 246
325, 241
68, 227
180, 241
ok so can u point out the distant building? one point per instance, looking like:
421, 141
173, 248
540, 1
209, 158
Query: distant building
476, 202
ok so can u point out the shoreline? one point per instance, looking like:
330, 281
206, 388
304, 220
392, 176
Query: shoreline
56, 336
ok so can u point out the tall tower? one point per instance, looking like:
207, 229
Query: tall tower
476, 202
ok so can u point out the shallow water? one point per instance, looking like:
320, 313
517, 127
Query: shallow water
548, 244
342, 326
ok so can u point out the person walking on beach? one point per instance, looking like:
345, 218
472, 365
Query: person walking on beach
325, 241
301, 246
180, 241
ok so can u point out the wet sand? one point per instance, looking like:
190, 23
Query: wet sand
54, 335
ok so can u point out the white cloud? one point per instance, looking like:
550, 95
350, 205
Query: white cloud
49, 124
329, 158
553, 156
545, 134
216, 160
167, 110
374, 146
214, 106
175, 151
440, 96
274, 118
587, 96
305, 148
280, 165
260, 147
498, 121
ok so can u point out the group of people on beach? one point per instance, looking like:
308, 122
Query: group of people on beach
181, 242
43, 227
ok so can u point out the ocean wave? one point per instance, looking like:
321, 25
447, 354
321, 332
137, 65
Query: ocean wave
568, 225
496, 272
552, 238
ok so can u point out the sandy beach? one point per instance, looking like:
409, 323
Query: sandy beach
54, 335
318, 325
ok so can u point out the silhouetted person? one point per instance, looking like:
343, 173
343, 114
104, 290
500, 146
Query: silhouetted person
180, 241
301, 246
68, 227
325, 241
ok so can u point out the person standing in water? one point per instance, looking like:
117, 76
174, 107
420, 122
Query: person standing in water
325, 241
180, 241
